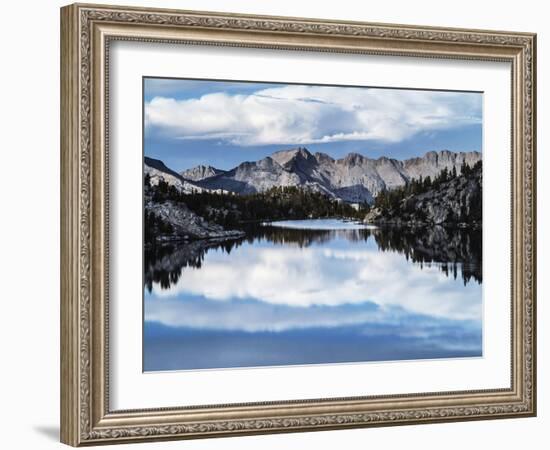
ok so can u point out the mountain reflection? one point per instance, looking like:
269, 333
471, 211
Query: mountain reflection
456, 252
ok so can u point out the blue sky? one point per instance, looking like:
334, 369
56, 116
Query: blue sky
221, 123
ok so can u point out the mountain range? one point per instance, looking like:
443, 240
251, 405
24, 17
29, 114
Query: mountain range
157, 171
354, 178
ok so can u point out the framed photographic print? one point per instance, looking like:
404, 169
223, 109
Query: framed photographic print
280, 224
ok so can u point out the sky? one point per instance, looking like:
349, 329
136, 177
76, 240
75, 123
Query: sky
188, 122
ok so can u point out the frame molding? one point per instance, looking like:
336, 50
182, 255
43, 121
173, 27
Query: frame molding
86, 31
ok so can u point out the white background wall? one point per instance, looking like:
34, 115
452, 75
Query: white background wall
29, 265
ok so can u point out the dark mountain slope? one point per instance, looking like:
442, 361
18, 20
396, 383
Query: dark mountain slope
448, 200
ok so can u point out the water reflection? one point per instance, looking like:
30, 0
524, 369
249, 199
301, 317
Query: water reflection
284, 296
453, 251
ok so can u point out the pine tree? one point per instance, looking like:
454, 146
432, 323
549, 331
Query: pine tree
444, 175
427, 183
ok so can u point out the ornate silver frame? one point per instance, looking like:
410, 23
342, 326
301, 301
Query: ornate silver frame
86, 31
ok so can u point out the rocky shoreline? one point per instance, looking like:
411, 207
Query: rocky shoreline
180, 224
376, 217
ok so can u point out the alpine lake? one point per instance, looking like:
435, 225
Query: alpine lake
319, 291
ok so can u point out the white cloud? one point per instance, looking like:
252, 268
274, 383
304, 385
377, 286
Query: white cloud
295, 114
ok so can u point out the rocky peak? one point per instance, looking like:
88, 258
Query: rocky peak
323, 158
157, 171
283, 157
353, 159
200, 172
431, 157
266, 163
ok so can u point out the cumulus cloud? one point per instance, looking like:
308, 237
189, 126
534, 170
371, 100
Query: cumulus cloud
297, 114
320, 276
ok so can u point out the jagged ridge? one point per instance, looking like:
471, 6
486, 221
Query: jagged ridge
355, 178
201, 172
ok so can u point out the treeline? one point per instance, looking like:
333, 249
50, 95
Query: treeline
448, 249
456, 252
388, 200
154, 226
232, 210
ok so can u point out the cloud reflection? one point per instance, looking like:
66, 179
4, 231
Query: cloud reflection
336, 274
253, 316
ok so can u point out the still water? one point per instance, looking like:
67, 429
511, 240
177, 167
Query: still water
313, 292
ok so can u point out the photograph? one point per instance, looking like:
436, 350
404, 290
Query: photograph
299, 224
286, 221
